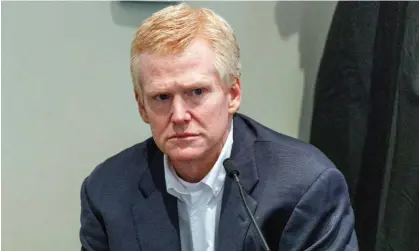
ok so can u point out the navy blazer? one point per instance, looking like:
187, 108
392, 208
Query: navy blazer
298, 197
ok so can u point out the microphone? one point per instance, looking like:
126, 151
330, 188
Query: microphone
233, 173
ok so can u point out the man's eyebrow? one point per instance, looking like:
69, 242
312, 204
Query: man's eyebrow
163, 88
199, 83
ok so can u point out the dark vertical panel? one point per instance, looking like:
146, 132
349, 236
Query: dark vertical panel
366, 117
400, 225
342, 89
386, 64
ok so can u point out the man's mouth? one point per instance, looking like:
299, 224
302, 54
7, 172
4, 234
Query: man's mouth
183, 136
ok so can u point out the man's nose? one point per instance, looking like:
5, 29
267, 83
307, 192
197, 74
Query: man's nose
180, 113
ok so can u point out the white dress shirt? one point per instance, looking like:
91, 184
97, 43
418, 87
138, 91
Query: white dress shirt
199, 204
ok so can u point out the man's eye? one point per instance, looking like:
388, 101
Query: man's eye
198, 91
162, 97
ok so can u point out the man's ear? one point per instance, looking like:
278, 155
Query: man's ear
235, 96
141, 108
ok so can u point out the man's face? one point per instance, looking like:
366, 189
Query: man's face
187, 105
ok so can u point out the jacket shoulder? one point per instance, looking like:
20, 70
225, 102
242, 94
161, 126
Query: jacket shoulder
289, 166
119, 168
286, 152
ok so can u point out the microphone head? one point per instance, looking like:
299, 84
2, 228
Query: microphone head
230, 167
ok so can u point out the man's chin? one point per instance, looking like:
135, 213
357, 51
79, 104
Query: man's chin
185, 155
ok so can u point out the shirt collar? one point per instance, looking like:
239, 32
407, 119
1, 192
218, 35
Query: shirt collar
214, 179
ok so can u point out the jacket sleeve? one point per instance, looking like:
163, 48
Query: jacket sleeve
93, 235
323, 219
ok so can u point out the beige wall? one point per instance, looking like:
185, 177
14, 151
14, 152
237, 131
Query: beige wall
67, 101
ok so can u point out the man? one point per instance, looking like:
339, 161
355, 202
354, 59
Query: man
171, 192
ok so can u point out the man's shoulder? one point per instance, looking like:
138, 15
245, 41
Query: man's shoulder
294, 150
288, 164
284, 143
293, 156
288, 154
122, 165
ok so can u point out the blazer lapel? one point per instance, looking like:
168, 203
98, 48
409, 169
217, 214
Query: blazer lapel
234, 223
155, 211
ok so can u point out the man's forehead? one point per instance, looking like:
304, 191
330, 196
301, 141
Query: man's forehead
156, 67
198, 50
